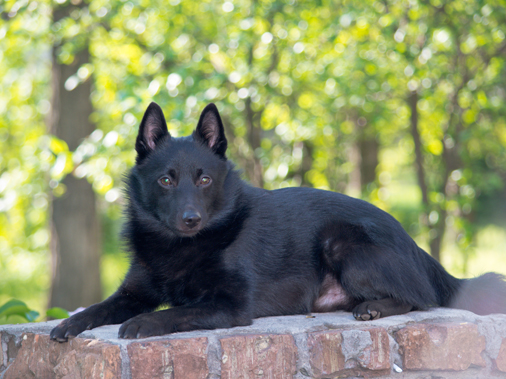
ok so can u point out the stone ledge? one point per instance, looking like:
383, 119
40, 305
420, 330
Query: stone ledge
439, 343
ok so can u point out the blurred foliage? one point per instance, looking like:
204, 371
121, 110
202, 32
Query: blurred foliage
16, 311
17, 308
300, 84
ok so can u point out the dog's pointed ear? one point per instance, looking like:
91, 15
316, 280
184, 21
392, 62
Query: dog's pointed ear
152, 131
210, 130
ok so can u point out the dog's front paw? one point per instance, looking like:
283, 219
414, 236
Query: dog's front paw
68, 328
145, 325
72, 326
91, 317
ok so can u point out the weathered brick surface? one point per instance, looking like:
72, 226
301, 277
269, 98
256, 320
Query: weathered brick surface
1, 352
258, 356
440, 343
169, 359
441, 346
377, 355
41, 358
500, 361
349, 352
8, 349
326, 356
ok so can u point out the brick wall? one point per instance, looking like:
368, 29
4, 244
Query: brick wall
440, 343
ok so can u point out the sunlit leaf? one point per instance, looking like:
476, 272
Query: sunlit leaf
57, 313
18, 308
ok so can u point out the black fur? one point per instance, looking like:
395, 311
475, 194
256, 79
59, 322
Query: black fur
222, 253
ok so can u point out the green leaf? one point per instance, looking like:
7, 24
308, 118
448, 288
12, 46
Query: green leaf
18, 308
57, 313
10, 304
32, 315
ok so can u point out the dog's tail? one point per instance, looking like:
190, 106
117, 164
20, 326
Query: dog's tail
483, 295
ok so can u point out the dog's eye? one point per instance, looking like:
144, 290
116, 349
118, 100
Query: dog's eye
205, 180
165, 181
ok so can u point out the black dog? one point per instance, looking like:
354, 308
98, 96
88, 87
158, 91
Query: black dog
222, 253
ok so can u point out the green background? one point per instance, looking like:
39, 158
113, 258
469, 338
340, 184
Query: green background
306, 89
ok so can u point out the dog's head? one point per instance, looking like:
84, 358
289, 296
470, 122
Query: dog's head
180, 181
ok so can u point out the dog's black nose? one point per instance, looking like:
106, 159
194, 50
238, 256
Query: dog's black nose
191, 218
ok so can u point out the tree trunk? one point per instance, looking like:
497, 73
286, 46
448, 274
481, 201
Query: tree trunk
369, 149
354, 187
307, 162
254, 139
363, 154
420, 171
436, 231
75, 239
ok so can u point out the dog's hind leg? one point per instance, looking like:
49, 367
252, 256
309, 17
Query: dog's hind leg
378, 278
371, 310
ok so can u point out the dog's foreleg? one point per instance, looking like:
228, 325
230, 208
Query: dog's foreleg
181, 319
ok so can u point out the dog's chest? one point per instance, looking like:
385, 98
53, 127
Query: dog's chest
189, 281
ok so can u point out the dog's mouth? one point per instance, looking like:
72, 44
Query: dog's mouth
188, 232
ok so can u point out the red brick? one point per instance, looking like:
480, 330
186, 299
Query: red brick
349, 352
441, 346
174, 359
325, 354
253, 356
80, 358
500, 361
376, 356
